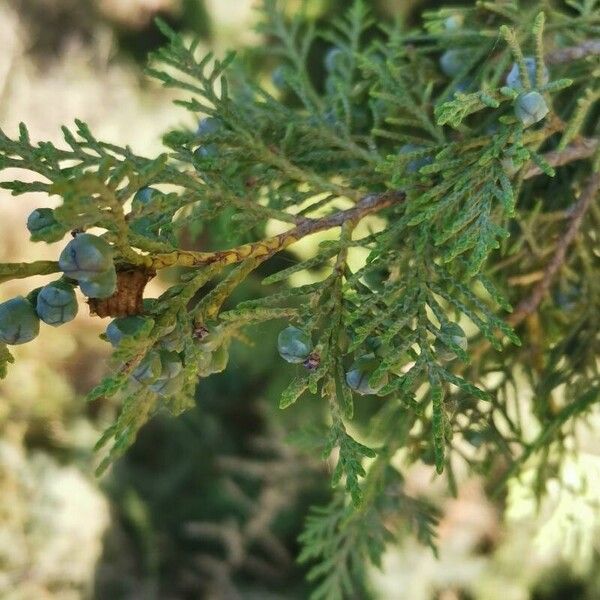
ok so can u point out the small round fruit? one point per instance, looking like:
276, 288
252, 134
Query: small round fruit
143, 197
294, 345
85, 257
208, 126
123, 327
149, 370
278, 78
171, 364
361, 370
413, 166
19, 322
513, 79
334, 59
452, 62
457, 335
168, 387
103, 285
207, 151
453, 22
56, 303
530, 108
43, 226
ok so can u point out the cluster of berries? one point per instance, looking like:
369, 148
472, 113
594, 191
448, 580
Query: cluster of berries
87, 260
295, 346
161, 369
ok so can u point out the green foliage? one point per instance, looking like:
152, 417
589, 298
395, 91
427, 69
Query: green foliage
458, 168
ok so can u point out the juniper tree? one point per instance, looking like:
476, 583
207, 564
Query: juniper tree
473, 139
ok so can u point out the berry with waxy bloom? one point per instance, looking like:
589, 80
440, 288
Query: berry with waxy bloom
513, 79
103, 285
124, 326
530, 108
357, 377
56, 303
85, 257
19, 322
294, 345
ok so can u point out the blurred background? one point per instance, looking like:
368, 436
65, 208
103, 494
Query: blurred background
207, 505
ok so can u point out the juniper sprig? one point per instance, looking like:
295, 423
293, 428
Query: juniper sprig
461, 161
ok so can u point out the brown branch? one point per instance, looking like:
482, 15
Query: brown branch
530, 304
571, 53
267, 247
579, 150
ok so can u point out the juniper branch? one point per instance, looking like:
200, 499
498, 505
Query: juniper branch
270, 246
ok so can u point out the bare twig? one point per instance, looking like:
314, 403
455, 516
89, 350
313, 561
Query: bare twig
528, 305
565, 55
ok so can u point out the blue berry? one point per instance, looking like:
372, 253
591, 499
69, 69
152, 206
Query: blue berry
19, 322
149, 369
43, 226
453, 22
530, 108
209, 126
457, 335
513, 79
123, 327
171, 364
143, 197
334, 59
361, 370
168, 387
56, 303
278, 78
294, 345
103, 285
413, 166
452, 62
86, 256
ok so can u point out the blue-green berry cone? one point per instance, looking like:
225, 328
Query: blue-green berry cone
147, 226
206, 151
143, 197
278, 78
86, 257
453, 22
334, 59
209, 126
413, 166
19, 322
56, 303
103, 285
294, 345
530, 108
167, 387
457, 335
361, 370
452, 62
171, 364
149, 370
123, 327
513, 79
44, 227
